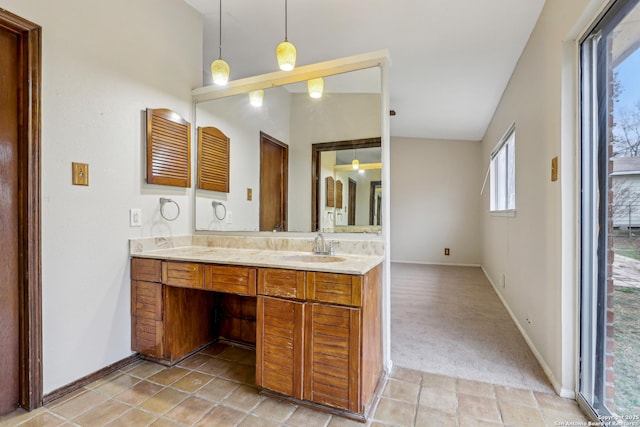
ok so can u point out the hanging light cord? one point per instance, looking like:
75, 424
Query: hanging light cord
286, 19
220, 38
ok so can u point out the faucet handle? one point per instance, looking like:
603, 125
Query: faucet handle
332, 250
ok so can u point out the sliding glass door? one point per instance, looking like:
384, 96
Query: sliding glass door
610, 217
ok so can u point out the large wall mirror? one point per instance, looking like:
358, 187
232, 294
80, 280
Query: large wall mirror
282, 152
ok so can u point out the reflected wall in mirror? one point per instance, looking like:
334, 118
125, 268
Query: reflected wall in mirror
356, 168
349, 109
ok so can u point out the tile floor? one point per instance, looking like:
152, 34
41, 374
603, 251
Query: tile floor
216, 387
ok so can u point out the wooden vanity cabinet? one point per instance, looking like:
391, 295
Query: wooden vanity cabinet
337, 317
169, 320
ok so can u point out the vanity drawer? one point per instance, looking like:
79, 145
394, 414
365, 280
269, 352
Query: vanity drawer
147, 337
332, 288
281, 283
182, 274
230, 279
146, 300
149, 270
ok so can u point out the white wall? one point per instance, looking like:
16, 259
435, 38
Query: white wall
435, 200
103, 63
536, 249
242, 123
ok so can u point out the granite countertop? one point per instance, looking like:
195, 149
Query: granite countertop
338, 263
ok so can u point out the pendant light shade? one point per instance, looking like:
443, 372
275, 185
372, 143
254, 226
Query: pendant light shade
315, 87
286, 51
355, 164
220, 72
256, 97
219, 68
286, 54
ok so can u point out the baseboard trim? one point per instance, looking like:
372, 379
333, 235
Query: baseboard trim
78, 384
560, 391
450, 264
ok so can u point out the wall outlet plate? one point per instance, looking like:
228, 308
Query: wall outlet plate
135, 217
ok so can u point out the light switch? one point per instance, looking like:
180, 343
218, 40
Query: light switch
80, 173
554, 169
249, 193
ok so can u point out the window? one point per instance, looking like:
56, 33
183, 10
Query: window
503, 173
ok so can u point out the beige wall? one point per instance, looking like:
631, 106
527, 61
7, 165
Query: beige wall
103, 63
435, 200
536, 249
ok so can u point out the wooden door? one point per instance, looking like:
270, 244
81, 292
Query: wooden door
9, 267
351, 214
20, 269
274, 166
279, 345
332, 356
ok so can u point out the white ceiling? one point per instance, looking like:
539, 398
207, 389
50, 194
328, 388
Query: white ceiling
450, 59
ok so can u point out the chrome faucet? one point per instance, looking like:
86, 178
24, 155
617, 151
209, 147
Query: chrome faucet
320, 246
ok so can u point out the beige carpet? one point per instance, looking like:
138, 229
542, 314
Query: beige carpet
448, 320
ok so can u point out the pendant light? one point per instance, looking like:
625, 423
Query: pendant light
315, 87
256, 97
355, 164
219, 68
286, 52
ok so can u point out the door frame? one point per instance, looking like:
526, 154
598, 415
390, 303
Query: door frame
372, 199
352, 185
284, 200
29, 244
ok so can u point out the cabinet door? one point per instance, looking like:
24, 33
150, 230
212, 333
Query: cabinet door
332, 356
146, 318
147, 304
279, 345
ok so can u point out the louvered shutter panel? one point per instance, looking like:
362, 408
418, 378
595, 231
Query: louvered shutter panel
339, 194
213, 160
330, 192
168, 148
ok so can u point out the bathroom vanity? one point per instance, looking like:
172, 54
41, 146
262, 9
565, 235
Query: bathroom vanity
315, 320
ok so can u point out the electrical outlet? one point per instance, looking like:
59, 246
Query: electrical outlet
135, 217
446, 251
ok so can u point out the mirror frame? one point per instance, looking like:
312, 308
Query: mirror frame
320, 147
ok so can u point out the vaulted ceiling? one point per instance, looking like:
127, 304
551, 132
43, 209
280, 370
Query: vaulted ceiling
450, 59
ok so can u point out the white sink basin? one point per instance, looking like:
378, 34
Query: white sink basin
311, 258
